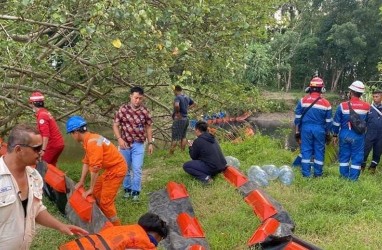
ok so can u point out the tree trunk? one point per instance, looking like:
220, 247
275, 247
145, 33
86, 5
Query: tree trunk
278, 80
336, 75
288, 84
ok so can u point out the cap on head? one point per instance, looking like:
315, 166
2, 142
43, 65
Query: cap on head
358, 87
316, 82
36, 97
74, 123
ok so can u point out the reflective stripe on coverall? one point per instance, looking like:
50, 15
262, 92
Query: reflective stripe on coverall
351, 144
100, 153
314, 126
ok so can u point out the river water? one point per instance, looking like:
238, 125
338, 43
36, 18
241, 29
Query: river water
73, 150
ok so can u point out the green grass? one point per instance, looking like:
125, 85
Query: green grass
329, 212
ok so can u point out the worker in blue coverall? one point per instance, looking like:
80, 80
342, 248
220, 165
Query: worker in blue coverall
373, 140
313, 125
351, 144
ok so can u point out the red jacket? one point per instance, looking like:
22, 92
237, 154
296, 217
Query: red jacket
49, 128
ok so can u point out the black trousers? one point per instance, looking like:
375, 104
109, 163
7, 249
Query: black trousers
373, 141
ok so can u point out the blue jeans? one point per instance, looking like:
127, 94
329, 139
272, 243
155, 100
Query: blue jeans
134, 158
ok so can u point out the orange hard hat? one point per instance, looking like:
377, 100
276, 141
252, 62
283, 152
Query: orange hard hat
36, 97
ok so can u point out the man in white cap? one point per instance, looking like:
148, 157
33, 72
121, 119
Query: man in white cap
351, 141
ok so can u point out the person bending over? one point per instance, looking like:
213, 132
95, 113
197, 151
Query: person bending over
149, 231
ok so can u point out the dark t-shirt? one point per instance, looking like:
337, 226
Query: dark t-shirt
184, 102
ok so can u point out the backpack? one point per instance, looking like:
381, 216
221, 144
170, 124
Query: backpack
356, 122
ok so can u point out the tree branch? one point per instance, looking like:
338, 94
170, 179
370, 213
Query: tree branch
15, 18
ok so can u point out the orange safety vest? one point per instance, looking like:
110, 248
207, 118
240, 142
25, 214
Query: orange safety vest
113, 238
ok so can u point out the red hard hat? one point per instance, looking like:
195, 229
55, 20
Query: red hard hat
36, 97
316, 82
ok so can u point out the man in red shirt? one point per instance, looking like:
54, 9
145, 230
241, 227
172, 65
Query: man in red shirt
52, 140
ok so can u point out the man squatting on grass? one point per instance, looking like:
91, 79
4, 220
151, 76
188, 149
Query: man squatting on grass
207, 157
21, 204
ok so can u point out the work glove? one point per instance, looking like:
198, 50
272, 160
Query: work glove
328, 139
297, 137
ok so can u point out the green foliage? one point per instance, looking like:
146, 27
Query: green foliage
335, 39
346, 43
259, 66
84, 55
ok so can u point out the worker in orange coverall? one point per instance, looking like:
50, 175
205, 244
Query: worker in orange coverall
100, 154
149, 231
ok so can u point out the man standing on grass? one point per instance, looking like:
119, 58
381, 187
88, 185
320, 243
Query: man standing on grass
313, 119
180, 120
207, 157
351, 143
21, 204
101, 156
132, 125
373, 140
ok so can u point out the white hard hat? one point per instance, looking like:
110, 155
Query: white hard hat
357, 86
